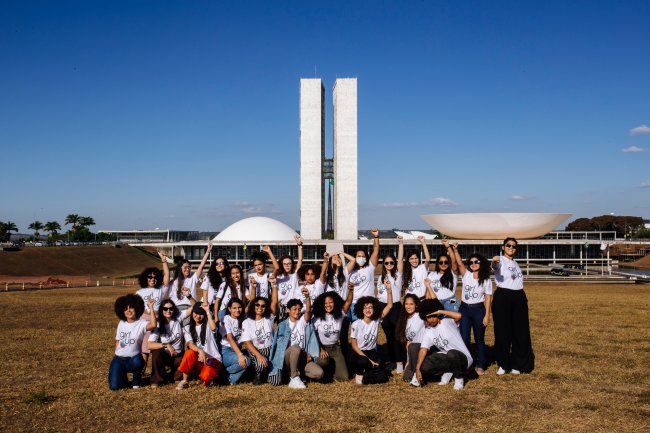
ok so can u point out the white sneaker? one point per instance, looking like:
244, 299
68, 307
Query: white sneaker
501, 371
513, 371
459, 382
445, 378
415, 381
296, 383
182, 385
136, 386
358, 379
399, 367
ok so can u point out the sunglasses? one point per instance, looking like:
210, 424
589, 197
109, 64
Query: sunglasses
389, 263
152, 277
168, 308
474, 262
513, 246
220, 263
443, 262
260, 305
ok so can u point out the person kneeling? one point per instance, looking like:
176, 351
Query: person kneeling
449, 356
296, 346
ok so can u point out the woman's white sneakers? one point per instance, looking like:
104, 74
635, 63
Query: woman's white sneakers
445, 378
459, 383
415, 381
501, 371
182, 385
513, 371
296, 383
399, 367
358, 379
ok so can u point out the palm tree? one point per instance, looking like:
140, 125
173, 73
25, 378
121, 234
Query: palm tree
86, 221
53, 227
6, 229
36, 226
73, 219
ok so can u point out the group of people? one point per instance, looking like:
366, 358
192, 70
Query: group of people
321, 322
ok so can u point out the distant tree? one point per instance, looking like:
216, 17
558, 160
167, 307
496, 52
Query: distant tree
72, 219
623, 225
36, 226
52, 227
580, 225
86, 221
6, 229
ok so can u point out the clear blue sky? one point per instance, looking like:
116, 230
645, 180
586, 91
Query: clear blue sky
184, 115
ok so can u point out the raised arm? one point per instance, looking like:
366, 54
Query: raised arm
152, 317
389, 299
299, 243
458, 260
400, 254
453, 314
429, 293
374, 257
425, 250
305, 293
323, 267
351, 261
274, 261
274, 294
348, 301
252, 288
496, 262
210, 319
165, 266
199, 270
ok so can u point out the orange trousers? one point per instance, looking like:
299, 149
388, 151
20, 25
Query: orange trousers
207, 371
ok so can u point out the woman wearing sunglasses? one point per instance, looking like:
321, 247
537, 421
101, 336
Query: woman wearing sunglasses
167, 345
441, 283
215, 280
476, 297
391, 273
257, 334
416, 272
512, 345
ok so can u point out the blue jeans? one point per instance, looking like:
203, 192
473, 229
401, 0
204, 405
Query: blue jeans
472, 318
231, 362
120, 365
450, 304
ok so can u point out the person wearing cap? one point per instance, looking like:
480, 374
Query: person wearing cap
442, 350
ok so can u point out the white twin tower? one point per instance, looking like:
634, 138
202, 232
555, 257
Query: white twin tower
317, 171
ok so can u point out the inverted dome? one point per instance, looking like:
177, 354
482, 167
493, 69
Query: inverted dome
495, 225
257, 229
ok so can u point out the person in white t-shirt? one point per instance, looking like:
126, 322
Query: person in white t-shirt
235, 287
415, 272
443, 280
201, 352
408, 333
183, 278
442, 350
259, 279
217, 275
362, 272
476, 299
336, 276
392, 269
512, 344
167, 344
287, 278
154, 284
235, 360
315, 286
128, 341
258, 332
365, 332
329, 314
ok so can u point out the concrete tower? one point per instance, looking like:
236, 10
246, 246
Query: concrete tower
312, 155
345, 159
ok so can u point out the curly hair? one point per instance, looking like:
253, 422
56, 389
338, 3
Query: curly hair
142, 279
429, 306
318, 308
400, 327
483, 267
303, 270
131, 300
250, 310
215, 276
162, 323
365, 300
281, 270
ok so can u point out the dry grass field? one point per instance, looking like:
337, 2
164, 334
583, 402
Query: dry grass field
592, 344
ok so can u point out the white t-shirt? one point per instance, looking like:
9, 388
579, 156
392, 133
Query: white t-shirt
225, 294
130, 336
416, 285
260, 332
445, 336
286, 286
298, 332
263, 287
395, 287
508, 274
364, 281
442, 292
329, 330
173, 333
155, 293
414, 328
230, 325
182, 301
365, 333
210, 346
212, 292
472, 292
341, 289
314, 290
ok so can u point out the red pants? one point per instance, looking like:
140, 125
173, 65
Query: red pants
207, 371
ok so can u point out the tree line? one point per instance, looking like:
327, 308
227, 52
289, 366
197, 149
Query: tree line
79, 229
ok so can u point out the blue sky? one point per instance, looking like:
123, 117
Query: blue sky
184, 115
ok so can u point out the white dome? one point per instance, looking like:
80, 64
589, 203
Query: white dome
495, 225
257, 229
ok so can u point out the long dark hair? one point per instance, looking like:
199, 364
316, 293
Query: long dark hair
204, 326
318, 309
393, 271
232, 286
447, 279
408, 269
250, 310
400, 327
331, 274
162, 328
179, 278
483, 267
281, 270
242, 316
214, 276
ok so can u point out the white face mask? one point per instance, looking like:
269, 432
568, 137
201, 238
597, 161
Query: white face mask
361, 261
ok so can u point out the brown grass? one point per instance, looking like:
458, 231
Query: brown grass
592, 345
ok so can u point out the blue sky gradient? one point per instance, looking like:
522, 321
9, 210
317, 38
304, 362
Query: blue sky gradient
185, 115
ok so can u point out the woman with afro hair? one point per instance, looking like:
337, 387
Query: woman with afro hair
128, 341
329, 311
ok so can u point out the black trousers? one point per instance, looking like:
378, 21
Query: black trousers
361, 363
512, 344
396, 351
436, 364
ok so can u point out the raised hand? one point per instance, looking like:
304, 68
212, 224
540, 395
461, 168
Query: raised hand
400, 239
375, 232
445, 242
421, 238
298, 239
209, 246
326, 256
266, 249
